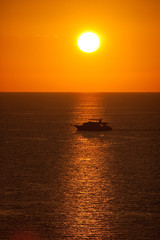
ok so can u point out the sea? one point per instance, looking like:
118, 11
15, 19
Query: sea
59, 183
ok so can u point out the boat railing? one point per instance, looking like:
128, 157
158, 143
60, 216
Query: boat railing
95, 119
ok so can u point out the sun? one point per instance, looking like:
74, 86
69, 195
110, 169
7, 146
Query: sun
88, 42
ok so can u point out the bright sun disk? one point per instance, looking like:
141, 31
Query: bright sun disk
88, 42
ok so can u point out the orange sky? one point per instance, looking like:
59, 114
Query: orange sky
39, 52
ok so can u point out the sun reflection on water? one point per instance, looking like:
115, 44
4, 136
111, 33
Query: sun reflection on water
87, 191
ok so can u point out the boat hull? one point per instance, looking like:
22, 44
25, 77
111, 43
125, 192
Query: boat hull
82, 128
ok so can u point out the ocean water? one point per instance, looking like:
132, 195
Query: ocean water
57, 183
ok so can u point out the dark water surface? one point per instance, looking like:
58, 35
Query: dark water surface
57, 183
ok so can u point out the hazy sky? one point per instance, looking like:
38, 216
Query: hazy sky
39, 52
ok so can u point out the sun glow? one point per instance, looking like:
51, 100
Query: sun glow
88, 42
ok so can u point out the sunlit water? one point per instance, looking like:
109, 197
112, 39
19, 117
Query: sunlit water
57, 183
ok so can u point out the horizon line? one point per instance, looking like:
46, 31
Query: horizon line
75, 92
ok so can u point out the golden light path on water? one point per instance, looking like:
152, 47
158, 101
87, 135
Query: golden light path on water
87, 186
